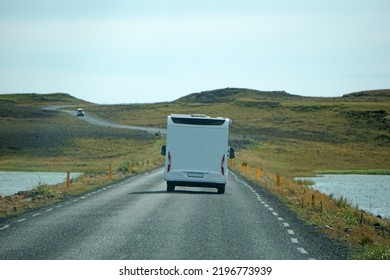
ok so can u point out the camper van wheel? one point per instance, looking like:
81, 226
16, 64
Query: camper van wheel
170, 187
221, 189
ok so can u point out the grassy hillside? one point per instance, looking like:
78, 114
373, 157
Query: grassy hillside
285, 133
281, 132
35, 99
33, 139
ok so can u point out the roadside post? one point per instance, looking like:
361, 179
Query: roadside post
110, 171
67, 180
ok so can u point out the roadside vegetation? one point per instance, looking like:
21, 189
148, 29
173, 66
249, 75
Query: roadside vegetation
283, 134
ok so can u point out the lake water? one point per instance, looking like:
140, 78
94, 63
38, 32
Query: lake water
369, 192
13, 182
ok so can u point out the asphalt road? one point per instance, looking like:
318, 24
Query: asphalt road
138, 219
101, 122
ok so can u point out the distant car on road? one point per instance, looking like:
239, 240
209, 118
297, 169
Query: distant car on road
80, 112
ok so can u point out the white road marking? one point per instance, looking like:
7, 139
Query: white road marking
302, 250
4, 227
21, 220
36, 214
290, 231
50, 209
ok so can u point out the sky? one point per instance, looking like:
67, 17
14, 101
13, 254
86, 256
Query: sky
147, 51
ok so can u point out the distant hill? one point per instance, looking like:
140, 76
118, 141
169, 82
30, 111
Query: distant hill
370, 95
33, 99
228, 95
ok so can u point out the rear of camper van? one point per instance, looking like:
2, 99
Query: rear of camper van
196, 152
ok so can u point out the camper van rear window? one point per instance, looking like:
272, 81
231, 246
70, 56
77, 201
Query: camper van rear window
196, 121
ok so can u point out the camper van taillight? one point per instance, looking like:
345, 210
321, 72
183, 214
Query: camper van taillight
222, 165
169, 162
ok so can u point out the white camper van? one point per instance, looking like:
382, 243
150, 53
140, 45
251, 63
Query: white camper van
197, 152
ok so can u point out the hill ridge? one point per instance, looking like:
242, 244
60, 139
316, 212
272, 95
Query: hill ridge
231, 94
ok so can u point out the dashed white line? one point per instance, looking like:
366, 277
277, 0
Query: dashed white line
48, 210
290, 231
302, 250
21, 220
4, 227
36, 214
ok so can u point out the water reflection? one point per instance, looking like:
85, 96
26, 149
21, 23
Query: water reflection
369, 192
13, 182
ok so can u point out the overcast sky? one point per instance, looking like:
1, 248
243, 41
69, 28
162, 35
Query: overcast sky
145, 51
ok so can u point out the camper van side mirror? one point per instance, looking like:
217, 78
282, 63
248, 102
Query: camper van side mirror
163, 150
232, 153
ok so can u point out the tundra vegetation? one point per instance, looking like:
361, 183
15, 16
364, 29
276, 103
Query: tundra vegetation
280, 133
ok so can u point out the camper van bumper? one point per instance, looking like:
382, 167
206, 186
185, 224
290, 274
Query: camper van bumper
195, 184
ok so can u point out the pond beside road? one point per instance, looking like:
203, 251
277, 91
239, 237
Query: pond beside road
13, 182
370, 193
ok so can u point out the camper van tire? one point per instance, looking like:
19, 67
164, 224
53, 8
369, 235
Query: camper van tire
221, 189
170, 187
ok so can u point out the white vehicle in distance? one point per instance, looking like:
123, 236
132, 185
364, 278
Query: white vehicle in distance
197, 152
80, 112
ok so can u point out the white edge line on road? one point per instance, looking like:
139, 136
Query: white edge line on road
4, 227
302, 250
290, 231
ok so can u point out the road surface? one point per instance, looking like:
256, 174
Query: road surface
138, 219
101, 122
